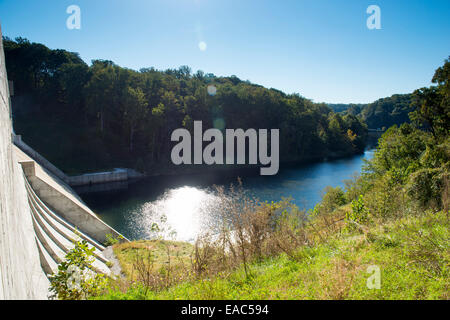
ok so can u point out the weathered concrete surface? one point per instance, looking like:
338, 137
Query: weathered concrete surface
102, 187
99, 177
116, 175
116, 269
63, 200
21, 275
55, 237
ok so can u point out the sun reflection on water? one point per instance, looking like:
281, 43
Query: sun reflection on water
180, 214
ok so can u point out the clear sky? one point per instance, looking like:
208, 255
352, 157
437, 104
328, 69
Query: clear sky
321, 49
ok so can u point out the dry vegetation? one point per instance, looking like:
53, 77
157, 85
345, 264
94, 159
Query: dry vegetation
276, 251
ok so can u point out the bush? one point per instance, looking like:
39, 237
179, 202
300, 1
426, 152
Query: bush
359, 214
427, 186
75, 279
110, 240
386, 199
333, 198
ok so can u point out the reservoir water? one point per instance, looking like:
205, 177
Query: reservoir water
184, 205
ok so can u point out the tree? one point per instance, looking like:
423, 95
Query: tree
99, 90
433, 104
134, 110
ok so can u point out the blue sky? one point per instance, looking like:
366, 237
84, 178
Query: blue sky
321, 49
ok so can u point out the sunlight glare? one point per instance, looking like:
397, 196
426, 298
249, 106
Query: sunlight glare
182, 212
202, 46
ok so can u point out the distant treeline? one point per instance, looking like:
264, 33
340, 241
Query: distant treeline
382, 113
102, 115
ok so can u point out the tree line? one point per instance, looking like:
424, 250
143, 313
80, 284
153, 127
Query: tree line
382, 113
102, 115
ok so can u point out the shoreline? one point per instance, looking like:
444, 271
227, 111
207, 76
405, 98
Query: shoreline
198, 170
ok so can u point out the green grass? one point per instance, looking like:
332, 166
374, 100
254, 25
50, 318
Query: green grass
412, 254
161, 251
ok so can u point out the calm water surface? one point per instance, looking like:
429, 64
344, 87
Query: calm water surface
185, 205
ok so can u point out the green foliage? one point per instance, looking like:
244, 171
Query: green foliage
385, 199
387, 112
111, 240
426, 185
399, 151
436, 154
382, 113
359, 215
432, 105
333, 198
75, 279
109, 116
408, 162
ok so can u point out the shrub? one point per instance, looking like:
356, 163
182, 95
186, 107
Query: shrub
427, 186
75, 279
333, 198
359, 214
355, 186
110, 240
386, 199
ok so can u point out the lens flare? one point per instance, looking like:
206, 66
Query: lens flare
202, 46
212, 90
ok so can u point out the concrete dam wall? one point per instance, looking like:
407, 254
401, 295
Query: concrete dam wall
21, 275
40, 216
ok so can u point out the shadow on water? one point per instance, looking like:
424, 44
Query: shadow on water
187, 202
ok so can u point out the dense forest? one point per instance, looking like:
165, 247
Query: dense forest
380, 114
90, 117
342, 107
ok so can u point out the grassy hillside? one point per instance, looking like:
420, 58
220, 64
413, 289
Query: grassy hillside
412, 254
